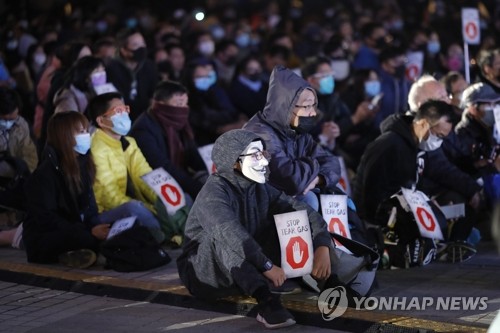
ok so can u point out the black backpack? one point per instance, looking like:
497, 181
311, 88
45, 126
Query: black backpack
132, 250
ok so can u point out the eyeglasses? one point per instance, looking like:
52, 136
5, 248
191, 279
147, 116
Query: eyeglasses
258, 155
307, 107
116, 110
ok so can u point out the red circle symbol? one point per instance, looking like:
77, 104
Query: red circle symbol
412, 72
423, 217
297, 252
343, 183
171, 194
336, 226
471, 30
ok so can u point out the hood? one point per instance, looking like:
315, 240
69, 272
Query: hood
400, 124
229, 146
284, 89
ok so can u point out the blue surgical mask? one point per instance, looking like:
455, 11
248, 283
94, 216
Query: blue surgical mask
6, 124
372, 88
243, 40
433, 47
204, 83
326, 85
121, 123
82, 145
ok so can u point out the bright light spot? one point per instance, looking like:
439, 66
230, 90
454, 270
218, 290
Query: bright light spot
199, 16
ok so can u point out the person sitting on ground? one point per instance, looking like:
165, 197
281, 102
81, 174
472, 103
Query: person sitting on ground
231, 243
120, 163
62, 223
165, 137
18, 156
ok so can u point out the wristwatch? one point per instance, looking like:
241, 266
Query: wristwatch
268, 265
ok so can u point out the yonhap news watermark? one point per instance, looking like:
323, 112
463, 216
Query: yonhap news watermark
333, 303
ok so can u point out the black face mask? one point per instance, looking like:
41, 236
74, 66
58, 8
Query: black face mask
399, 72
140, 54
306, 124
254, 77
380, 43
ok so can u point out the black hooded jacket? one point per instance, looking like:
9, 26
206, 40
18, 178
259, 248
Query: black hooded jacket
296, 159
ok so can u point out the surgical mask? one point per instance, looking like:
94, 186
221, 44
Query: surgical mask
372, 88
140, 54
433, 47
6, 124
243, 40
40, 58
204, 83
341, 69
218, 32
254, 163
206, 48
433, 142
98, 78
455, 63
488, 117
326, 85
82, 145
121, 123
306, 124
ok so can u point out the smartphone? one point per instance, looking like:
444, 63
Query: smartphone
375, 100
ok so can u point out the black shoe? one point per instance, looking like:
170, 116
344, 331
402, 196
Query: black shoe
273, 315
287, 288
78, 258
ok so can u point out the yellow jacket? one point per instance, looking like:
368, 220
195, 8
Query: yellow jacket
112, 164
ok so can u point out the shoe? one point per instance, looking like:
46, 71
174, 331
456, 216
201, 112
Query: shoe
78, 258
459, 251
273, 315
287, 288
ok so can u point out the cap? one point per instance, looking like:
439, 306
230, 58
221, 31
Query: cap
479, 92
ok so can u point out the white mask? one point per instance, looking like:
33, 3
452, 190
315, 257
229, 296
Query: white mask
254, 163
207, 48
433, 142
341, 68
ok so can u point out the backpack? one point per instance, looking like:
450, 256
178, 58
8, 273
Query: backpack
133, 250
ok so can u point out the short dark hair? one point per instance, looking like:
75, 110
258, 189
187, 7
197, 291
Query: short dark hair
449, 79
368, 28
433, 110
100, 104
311, 66
9, 101
166, 89
486, 58
80, 73
389, 53
123, 35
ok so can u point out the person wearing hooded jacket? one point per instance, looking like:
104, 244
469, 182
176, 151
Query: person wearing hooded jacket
231, 243
298, 164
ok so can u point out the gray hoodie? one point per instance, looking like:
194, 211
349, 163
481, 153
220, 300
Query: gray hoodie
234, 215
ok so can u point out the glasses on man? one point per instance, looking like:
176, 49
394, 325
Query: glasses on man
258, 155
307, 107
117, 110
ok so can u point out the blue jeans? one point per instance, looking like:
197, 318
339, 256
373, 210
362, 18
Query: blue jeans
135, 208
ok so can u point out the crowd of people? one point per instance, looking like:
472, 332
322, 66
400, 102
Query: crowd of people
295, 98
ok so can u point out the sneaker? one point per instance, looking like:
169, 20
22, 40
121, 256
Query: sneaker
273, 315
78, 258
287, 288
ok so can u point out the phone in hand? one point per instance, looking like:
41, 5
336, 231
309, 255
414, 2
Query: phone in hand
375, 100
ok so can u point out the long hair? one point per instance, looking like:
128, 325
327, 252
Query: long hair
61, 131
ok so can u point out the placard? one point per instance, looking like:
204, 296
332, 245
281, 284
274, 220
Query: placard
496, 130
470, 26
334, 211
344, 177
167, 188
206, 155
121, 225
414, 65
296, 244
424, 216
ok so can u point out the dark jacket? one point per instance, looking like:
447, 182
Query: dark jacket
296, 158
145, 76
395, 97
334, 109
152, 142
245, 99
53, 209
232, 218
388, 163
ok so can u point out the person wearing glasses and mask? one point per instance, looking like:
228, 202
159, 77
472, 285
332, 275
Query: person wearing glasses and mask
120, 163
231, 243
299, 164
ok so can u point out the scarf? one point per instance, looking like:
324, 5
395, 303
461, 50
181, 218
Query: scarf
175, 124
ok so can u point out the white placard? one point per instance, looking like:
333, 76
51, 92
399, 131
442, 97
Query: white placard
294, 232
344, 177
206, 155
424, 216
334, 211
121, 225
496, 130
471, 31
167, 188
414, 65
